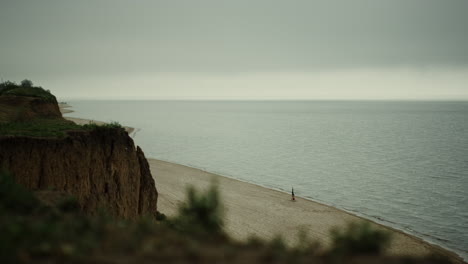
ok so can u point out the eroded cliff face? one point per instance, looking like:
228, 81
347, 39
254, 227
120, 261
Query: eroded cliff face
101, 168
22, 108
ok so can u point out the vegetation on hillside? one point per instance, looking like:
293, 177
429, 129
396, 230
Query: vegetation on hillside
26, 88
40, 126
33, 232
56, 128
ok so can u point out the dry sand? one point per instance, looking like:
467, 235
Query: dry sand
252, 210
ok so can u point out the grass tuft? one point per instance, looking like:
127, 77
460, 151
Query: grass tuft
359, 239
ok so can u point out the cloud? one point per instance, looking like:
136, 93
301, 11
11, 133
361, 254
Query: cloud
87, 37
238, 49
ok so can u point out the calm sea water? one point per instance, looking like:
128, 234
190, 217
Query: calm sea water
403, 164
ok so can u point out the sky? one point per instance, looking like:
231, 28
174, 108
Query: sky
242, 49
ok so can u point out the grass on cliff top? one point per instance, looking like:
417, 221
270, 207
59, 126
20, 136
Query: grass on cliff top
32, 232
38, 127
39, 92
49, 128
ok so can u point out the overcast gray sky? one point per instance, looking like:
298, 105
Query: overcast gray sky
330, 49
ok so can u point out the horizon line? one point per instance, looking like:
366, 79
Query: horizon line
267, 99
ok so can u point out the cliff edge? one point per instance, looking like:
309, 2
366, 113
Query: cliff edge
99, 165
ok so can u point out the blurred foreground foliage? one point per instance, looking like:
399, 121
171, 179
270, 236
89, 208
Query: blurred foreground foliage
202, 213
359, 239
33, 232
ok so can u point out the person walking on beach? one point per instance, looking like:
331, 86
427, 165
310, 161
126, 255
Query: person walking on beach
293, 198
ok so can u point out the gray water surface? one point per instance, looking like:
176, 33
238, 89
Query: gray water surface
403, 164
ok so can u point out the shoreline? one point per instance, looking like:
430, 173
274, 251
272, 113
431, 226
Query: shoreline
314, 217
265, 212
65, 109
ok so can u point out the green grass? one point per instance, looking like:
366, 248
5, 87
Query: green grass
30, 91
49, 128
39, 128
111, 125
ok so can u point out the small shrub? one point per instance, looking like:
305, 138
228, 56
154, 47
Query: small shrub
359, 239
6, 86
114, 124
26, 83
202, 212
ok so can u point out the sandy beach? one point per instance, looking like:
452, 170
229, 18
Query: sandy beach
252, 210
65, 109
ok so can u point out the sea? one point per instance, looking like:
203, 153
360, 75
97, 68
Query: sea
403, 164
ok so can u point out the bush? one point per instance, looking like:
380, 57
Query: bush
202, 212
113, 124
359, 239
26, 83
7, 86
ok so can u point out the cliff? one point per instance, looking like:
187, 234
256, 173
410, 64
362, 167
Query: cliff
101, 168
23, 108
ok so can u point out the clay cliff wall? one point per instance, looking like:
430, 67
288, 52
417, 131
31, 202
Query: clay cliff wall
101, 168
